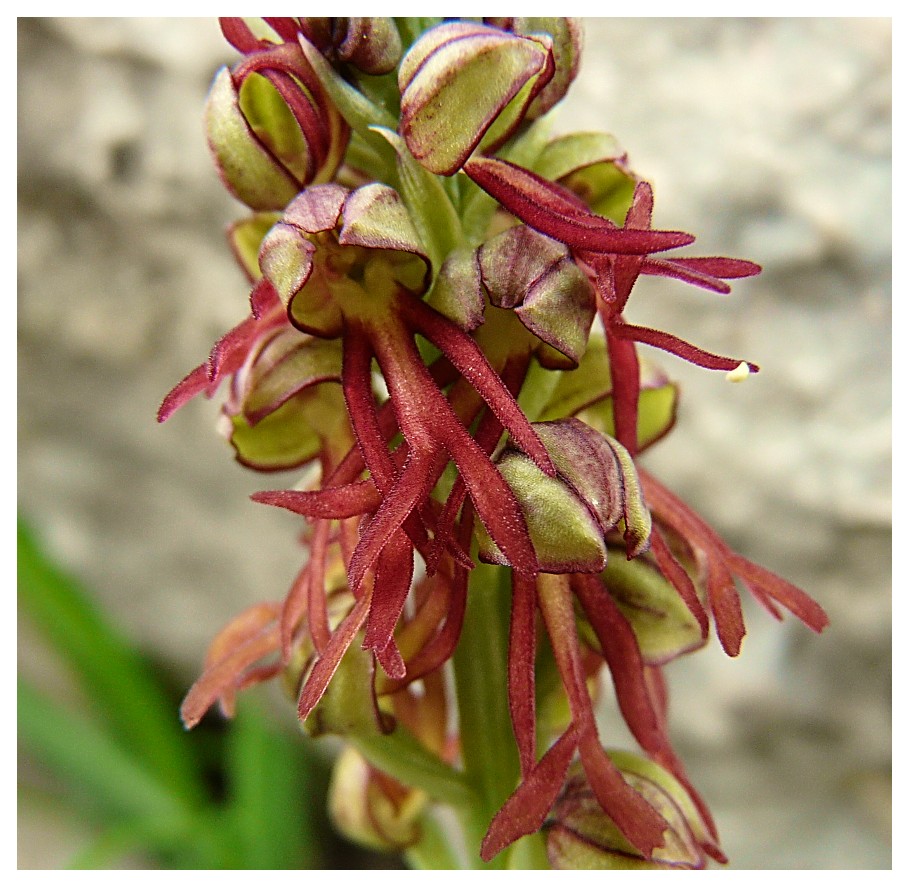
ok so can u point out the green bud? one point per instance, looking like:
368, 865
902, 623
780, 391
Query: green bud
373, 809
567, 40
581, 836
550, 294
595, 491
464, 86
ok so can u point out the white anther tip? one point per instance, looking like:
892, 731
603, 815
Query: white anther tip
740, 373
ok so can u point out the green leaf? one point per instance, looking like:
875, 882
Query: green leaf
92, 762
274, 796
122, 687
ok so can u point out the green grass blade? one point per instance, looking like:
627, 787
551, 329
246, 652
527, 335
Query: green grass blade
276, 793
91, 762
119, 682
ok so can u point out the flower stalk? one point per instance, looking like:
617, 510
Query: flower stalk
436, 329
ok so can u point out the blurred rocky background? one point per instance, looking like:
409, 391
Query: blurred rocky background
768, 138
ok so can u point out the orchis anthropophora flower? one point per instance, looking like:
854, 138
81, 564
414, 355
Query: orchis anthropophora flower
480, 525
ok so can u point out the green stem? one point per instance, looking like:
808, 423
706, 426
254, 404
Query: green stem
488, 749
400, 755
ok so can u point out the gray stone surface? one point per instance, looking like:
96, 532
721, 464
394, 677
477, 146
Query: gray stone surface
769, 139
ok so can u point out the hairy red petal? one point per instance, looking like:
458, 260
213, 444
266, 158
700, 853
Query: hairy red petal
522, 645
679, 578
525, 811
549, 209
761, 581
678, 347
348, 500
192, 384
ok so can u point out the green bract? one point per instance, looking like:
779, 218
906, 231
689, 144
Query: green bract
465, 85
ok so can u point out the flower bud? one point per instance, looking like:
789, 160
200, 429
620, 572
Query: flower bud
465, 85
535, 276
371, 45
371, 808
336, 251
581, 836
272, 129
280, 412
594, 491
567, 40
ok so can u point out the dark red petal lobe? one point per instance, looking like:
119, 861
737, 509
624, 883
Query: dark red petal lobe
762, 581
328, 663
522, 646
410, 489
623, 656
468, 358
238, 34
264, 299
678, 347
230, 351
223, 675
389, 657
192, 384
525, 811
626, 388
547, 208
724, 598
348, 500
285, 27
718, 266
428, 423
634, 817
292, 610
394, 572
317, 607
679, 578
